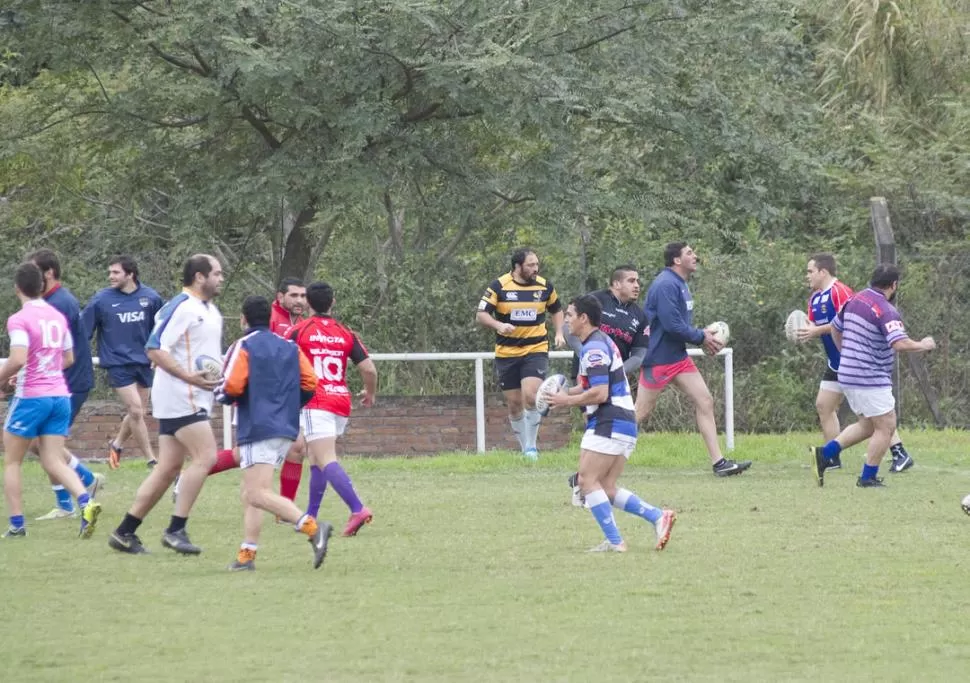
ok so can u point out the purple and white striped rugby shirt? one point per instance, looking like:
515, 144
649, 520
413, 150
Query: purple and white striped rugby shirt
869, 325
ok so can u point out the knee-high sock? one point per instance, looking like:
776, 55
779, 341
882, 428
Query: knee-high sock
290, 475
518, 428
224, 461
87, 477
628, 501
342, 485
599, 505
318, 486
531, 419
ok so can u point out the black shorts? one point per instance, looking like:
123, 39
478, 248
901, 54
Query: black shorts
125, 375
511, 371
830, 375
168, 426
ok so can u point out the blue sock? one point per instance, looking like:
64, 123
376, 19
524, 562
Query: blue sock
63, 498
869, 471
83, 500
87, 477
831, 449
629, 502
17, 521
599, 505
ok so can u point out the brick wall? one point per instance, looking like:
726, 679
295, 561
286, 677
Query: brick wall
395, 426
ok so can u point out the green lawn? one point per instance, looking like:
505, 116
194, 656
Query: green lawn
474, 569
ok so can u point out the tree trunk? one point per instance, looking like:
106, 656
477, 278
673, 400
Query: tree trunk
297, 245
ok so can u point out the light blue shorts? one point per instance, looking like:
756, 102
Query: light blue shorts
41, 416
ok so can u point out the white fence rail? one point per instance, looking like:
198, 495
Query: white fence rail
727, 354
480, 357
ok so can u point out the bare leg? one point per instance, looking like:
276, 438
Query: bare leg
692, 384
827, 405
199, 444
171, 456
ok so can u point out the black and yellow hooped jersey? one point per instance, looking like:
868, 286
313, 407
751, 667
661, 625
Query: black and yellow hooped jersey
525, 307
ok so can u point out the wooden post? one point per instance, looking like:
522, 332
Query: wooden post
886, 253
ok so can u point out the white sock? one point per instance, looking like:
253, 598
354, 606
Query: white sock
518, 428
531, 419
74, 462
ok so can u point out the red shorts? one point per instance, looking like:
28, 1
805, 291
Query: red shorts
656, 377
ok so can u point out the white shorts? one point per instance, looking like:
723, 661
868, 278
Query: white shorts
870, 402
617, 445
321, 424
829, 385
266, 452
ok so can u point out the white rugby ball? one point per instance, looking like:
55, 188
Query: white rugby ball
965, 503
797, 320
210, 366
551, 385
721, 331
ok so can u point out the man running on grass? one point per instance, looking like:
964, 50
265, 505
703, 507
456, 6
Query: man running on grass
268, 379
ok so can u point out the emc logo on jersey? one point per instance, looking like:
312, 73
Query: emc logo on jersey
131, 316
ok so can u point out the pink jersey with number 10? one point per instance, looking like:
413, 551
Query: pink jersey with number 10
43, 331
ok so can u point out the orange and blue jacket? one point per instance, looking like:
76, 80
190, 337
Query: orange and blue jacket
268, 379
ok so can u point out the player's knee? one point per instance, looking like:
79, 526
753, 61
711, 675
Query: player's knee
705, 403
136, 412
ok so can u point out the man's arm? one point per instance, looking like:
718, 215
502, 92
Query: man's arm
633, 363
368, 372
16, 359
672, 318
907, 344
558, 321
164, 361
486, 320
90, 318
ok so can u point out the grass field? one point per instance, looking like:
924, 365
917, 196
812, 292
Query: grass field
474, 569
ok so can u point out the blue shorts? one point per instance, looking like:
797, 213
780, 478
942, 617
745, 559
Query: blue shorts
77, 400
41, 416
124, 375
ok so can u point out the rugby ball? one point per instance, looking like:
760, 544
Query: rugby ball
210, 366
721, 331
551, 385
797, 320
965, 503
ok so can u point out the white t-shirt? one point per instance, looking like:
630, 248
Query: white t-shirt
186, 327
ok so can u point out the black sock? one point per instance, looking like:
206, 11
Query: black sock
129, 525
897, 449
719, 463
177, 524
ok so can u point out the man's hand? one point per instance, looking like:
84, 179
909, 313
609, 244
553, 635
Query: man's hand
560, 339
560, 398
710, 344
366, 399
928, 343
806, 333
201, 379
505, 328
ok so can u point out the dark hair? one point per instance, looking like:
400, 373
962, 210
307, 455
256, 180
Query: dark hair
320, 297
884, 276
255, 310
127, 264
29, 280
826, 261
519, 256
288, 282
672, 251
198, 263
588, 305
45, 259
619, 270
